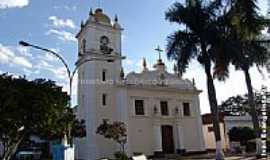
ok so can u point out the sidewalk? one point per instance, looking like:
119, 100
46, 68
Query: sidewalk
212, 157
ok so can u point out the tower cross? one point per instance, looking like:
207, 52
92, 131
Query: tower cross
159, 50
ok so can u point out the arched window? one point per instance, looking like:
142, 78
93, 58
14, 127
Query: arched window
103, 75
104, 99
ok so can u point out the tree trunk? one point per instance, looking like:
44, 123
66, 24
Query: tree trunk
213, 104
11, 149
253, 112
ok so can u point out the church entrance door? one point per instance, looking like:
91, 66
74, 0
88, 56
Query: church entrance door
167, 139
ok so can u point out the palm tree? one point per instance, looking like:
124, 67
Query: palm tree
198, 30
246, 28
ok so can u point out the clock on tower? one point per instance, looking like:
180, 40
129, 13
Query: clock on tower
104, 42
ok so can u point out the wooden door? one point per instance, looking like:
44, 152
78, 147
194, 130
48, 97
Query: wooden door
167, 139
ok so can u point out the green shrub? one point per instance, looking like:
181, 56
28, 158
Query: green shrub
120, 156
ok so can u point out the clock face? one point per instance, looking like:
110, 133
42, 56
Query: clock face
104, 48
104, 40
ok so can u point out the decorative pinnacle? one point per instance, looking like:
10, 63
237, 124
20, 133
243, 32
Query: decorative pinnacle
175, 68
91, 12
193, 82
82, 24
116, 18
144, 63
122, 74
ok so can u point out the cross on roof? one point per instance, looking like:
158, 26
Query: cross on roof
159, 50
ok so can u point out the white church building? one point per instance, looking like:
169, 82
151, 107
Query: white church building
160, 109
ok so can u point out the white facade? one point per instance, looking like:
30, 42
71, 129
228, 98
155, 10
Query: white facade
209, 137
161, 110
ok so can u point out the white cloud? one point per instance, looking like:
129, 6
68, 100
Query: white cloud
60, 72
7, 56
24, 51
49, 57
128, 62
62, 23
62, 35
139, 64
13, 3
4, 57
22, 61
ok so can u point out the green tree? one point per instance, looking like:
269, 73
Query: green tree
234, 106
238, 105
196, 38
117, 132
37, 107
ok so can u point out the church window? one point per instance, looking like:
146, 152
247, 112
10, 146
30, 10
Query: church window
210, 129
104, 75
139, 107
104, 99
164, 108
186, 109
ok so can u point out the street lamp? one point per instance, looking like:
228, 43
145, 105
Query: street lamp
70, 74
57, 55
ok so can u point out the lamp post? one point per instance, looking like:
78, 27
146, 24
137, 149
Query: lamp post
70, 73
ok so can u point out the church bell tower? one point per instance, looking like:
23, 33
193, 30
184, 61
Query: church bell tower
100, 68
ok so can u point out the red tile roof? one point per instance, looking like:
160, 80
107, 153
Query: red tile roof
207, 118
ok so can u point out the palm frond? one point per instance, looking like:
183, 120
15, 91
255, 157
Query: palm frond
182, 48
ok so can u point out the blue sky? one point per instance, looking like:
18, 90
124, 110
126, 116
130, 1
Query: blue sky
53, 24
